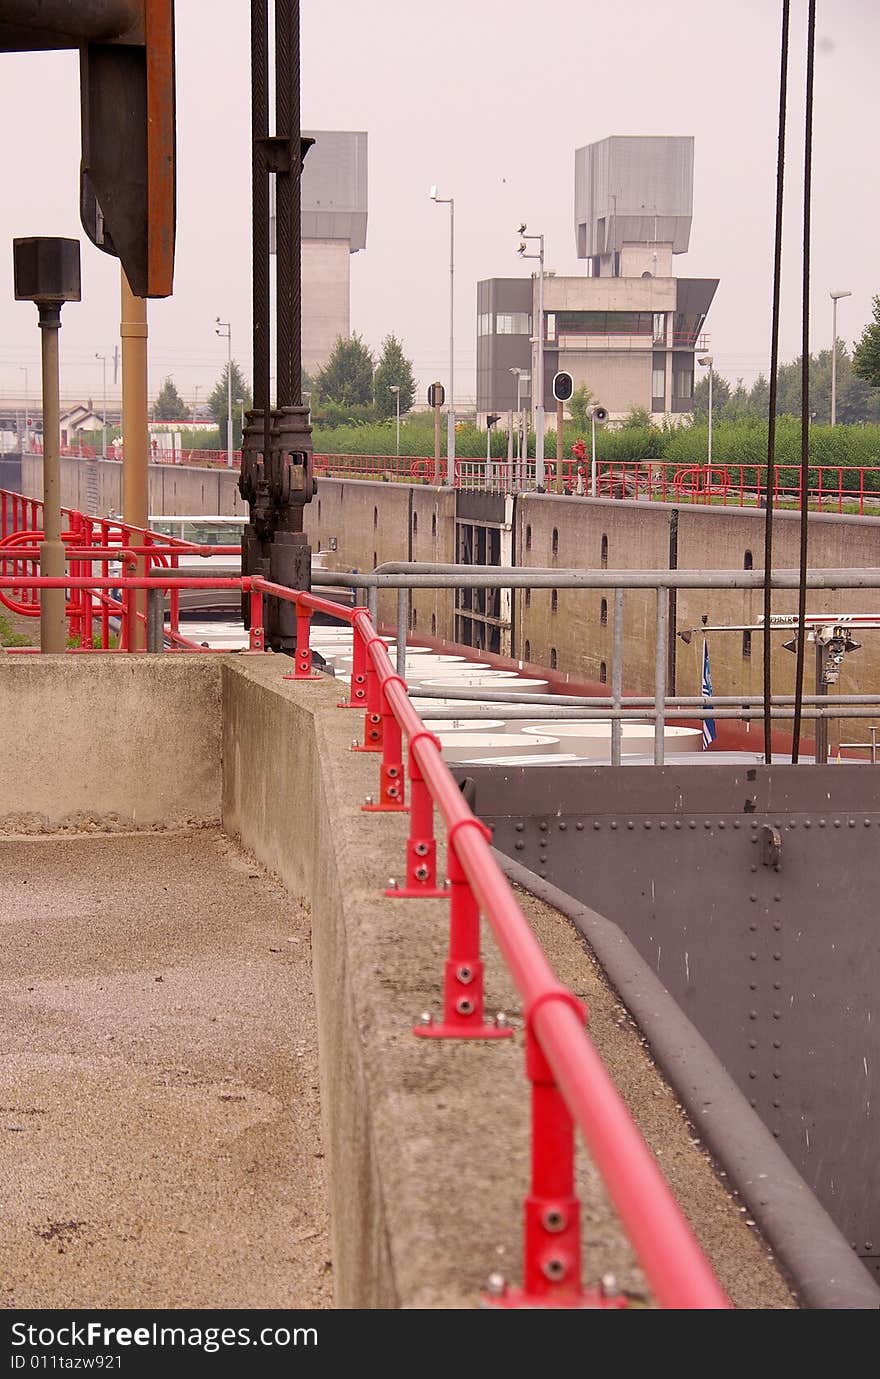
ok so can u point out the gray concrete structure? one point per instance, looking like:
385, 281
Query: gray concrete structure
334, 226
630, 329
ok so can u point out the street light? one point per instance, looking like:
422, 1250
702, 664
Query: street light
537, 336
103, 359
450, 421
196, 404
23, 368
224, 329
707, 362
835, 297
395, 389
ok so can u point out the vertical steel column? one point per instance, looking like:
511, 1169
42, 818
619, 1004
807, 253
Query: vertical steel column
617, 674
53, 624
660, 677
821, 688
135, 503
402, 629
286, 84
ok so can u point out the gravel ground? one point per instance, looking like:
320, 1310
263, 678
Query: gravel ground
160, 1140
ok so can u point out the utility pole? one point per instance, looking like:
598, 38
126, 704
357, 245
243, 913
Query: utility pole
835, 297
103, 359
450, 419
224, 329
538, 337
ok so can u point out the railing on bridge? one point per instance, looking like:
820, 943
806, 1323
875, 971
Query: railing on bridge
570, 1085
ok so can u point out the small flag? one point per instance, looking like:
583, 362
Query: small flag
708, 723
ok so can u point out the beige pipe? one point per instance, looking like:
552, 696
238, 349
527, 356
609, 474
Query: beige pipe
135, 475
53, 621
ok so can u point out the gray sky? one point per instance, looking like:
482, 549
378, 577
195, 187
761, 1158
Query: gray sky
488, 99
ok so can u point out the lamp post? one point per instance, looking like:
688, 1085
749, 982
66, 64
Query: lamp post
224, 329
537, 336
395, 389
707, 362
23, 368
103, 359
196, 404
835, 298
450, 417
518, 373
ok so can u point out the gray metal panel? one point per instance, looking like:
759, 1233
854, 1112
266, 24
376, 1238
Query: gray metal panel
334, 187
634, 190
497, 354
774, 955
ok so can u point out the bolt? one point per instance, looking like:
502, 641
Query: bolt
554, 1219
426, 1018
496, 1285
501, 1020
464, 973
554, 1268
368, 799
392, 883
421, 849
609, 1286
354, 742
421, 873
392, 771
464, 1006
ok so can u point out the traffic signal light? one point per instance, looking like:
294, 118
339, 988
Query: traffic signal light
436, 395
563, 386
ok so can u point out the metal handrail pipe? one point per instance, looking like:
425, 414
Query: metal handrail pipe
521, 708
519, 577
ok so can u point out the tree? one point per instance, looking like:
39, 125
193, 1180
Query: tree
217, 403
720, 396
866, 356
347, 377
579, 406
169, 405
393, 368
636, 419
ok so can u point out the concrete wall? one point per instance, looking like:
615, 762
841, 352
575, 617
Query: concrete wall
108, 741
325, 298
173, 489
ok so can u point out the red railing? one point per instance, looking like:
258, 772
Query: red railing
90, 542
831, 488
570, 1085
188, 455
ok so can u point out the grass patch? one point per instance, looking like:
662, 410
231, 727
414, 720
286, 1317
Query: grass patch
9, 637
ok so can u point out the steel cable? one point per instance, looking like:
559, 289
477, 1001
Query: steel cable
805, 390
774, 367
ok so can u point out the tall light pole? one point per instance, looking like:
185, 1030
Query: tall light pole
196, 404
23, 368
103, 359
395, 389
537, 335
224, 329
835, 297
450, 396
707, 362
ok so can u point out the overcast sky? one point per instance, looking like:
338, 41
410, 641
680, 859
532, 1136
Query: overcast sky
488, 99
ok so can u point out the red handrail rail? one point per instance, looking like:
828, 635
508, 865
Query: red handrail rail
570, 1083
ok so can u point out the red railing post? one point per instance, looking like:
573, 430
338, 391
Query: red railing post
552, 1238
358, 690
392, 789
373, 717
257, 635
463, 980
302, 656
421, 845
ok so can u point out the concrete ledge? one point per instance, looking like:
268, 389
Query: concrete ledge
427, 1143
109, 741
